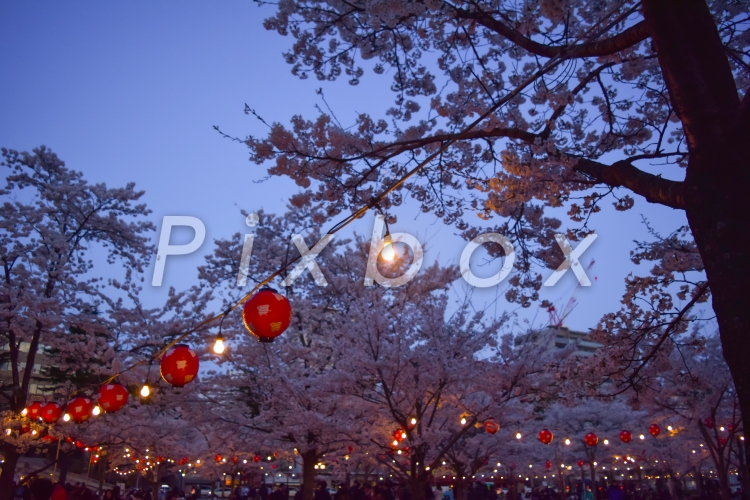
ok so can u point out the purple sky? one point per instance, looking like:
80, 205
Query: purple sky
130, 92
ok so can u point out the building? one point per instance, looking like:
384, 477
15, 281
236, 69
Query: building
560, 337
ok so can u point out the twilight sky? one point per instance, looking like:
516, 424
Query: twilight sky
130, 92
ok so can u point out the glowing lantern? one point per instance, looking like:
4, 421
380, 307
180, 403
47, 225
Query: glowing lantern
51, 412
179, 365
234, 460
548, 465
267, 314
399, 434
112, 397
708, 422
25, 428
256, 458
591, 439
80, 445
34, 410
654, 430
80, 409
160, 460
580, 463
626, 436
218, 458
491, 426
546, 436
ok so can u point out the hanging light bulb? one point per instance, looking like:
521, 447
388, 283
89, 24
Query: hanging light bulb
388, 252
219, 344
66, 417
96, 411
463, 420
145, 391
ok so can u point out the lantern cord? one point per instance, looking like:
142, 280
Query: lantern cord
374, 202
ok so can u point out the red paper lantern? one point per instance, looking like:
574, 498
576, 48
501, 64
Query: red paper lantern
51, 412
80, 409
626, 436
25, 428
730, 427
273, 466
722, 441
34, 410
234, 460
160, 459
218, 458
548, 465
708, 422
112, 397
256, 458
591, 439
546, 436
491, 426
654, 430
80, 445
580, 463
179, 365
267, 314
350, 448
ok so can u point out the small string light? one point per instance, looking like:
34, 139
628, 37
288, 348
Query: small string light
66, 417
96, 411
145, 391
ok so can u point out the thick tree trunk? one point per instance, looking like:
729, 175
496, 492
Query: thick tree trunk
460, 488
309, 459
717, 183
9, 470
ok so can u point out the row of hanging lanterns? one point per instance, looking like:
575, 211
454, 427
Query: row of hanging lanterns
545, 436
266, 315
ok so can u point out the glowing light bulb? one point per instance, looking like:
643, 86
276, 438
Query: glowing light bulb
24, 412
567, 441
66, 417
518, 435
145, 391
606, 441
413, 421
641, 437
463, 420
388, 252
219, 344
96, 410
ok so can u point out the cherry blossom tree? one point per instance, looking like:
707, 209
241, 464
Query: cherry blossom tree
579, 102
56, 229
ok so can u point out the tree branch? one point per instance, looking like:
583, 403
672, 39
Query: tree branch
608, 46
622, 173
